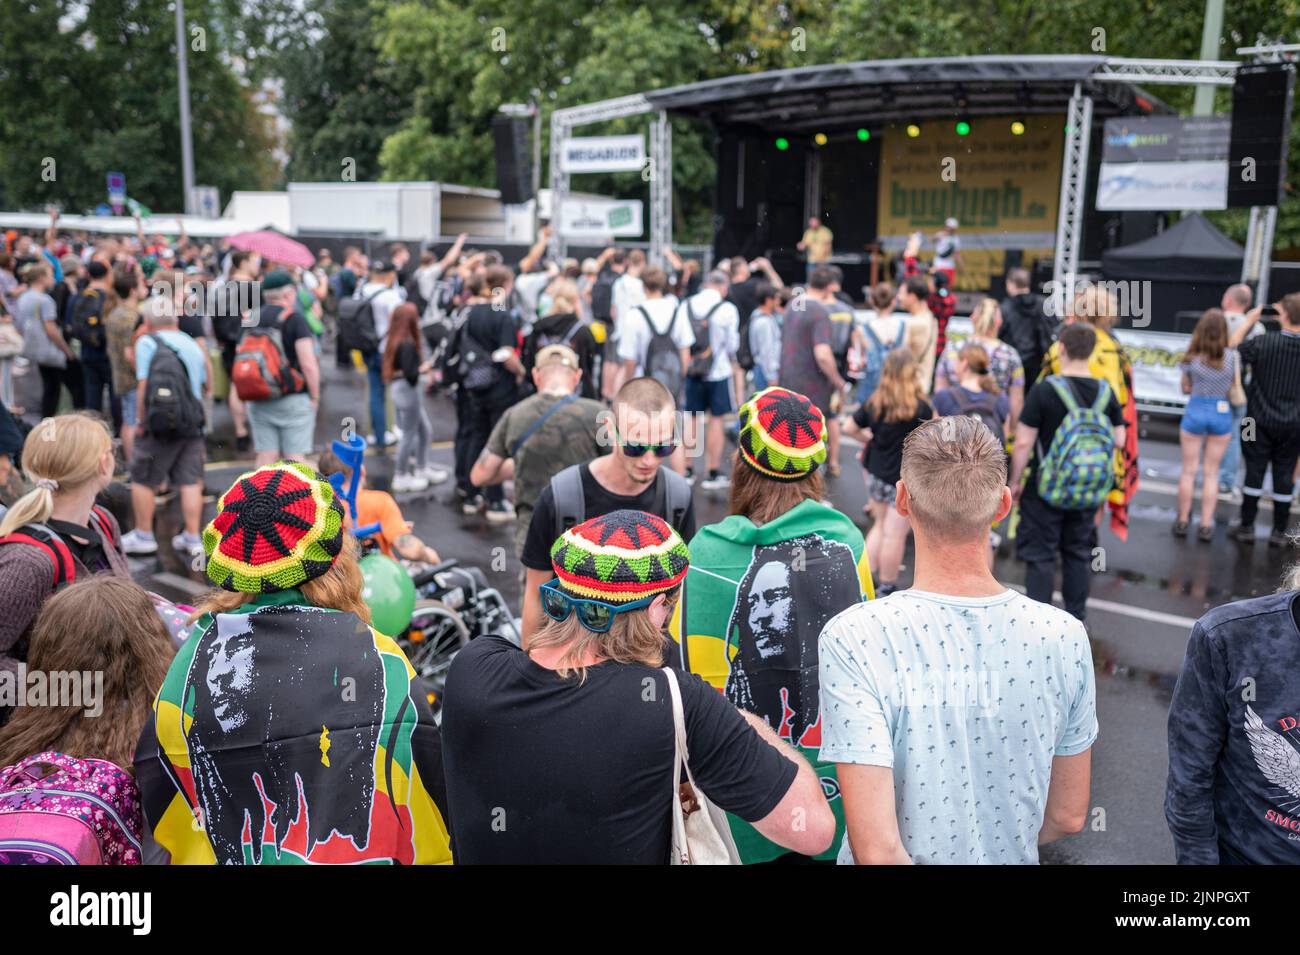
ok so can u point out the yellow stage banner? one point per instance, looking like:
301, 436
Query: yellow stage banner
1002, 187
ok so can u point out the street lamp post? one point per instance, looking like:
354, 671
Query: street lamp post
183, 81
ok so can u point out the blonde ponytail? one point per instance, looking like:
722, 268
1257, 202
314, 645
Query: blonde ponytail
977, 360
60, 454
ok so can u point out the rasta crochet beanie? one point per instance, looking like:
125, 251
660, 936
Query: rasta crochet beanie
782, 434
620, 557
276, 528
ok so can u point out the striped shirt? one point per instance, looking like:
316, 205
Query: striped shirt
1273, 396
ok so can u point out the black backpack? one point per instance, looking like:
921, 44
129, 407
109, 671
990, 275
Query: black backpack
228, 317
86, 324
357, 331
985, 408
662, 362
702, 350
474, 367
171, 411
602, 297
672, 498
745, 352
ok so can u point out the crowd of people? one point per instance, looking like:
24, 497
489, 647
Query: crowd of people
766, 673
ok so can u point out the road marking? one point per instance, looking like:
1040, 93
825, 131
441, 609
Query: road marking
1126, 610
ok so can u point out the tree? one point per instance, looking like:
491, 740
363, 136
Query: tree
89, 88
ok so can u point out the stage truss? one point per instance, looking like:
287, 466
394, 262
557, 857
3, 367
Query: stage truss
1074, 162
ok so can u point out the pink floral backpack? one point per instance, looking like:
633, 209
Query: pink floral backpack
58, 810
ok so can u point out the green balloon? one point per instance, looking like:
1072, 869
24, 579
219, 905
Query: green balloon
388, 592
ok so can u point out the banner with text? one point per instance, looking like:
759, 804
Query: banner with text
602, 154
1001, 187
1164, 163
600, 218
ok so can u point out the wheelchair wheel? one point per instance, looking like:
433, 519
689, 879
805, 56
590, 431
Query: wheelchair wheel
436, 634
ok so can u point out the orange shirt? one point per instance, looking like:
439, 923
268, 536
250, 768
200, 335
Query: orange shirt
378, 507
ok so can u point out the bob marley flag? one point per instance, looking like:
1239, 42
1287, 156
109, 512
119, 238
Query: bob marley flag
287, 734
753, 606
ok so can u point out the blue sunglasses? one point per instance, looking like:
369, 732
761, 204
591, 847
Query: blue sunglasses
596, 615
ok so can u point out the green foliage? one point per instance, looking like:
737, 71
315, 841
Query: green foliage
93, 87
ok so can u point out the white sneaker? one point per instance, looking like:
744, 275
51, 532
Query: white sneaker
500, 513
393, 436
716, 483
403, 483
137, 543
434, 475
187, 545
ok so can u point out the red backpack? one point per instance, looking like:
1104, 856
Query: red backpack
262, 371
56, 549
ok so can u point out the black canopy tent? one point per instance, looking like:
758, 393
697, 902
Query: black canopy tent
1188, 265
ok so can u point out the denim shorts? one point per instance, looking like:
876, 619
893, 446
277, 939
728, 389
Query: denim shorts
711, 396
285, 425
129, 418
1207, 416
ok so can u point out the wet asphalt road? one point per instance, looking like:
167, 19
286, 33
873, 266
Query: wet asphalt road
1143, 604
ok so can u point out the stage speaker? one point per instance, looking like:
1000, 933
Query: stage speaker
514, 165
1261, 118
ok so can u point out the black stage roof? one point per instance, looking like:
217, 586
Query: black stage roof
885, 91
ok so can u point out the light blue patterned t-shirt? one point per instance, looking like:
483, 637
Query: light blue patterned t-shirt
968, 699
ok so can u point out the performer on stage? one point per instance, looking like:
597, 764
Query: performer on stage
947, 252
816, 244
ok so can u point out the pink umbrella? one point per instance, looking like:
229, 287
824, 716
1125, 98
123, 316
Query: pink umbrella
274, 247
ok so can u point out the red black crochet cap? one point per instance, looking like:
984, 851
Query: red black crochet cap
276, 528
620, 557
782, 434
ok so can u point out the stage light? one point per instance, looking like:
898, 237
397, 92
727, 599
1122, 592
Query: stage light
913, 131
1017, 128
820, 139
864, 135
963, 128
782, 143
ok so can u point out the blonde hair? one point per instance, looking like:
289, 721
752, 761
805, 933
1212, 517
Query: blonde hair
60, 453
1096, 306
339, 588
985, 318
566, 291
632, 639
899, 394
954, 470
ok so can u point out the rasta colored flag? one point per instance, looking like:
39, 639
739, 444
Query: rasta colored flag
753, 606
285, 734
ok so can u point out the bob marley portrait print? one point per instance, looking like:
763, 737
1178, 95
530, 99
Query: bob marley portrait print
293, 735
788, 593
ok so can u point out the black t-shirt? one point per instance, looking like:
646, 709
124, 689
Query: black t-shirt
192, 325
596, 500
884, 457
85, 543
292, 327
743, 297
1045, 410
551, 771
494, 328
407, 362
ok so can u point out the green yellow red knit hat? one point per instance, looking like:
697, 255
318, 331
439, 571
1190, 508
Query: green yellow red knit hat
276, 528
620, 557
782, 434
